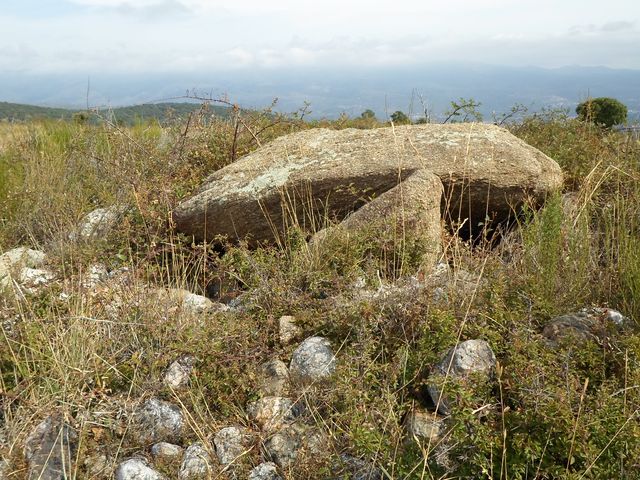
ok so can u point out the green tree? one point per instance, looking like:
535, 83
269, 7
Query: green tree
603, 111
400, 118
368, 114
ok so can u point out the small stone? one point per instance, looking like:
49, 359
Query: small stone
98, 223
265, 471
166, 451
282, 447
423, 426
96, 275
467, 358
190, 302
50, 450
137, 469
587, 324
32, 278
179, 372
96, 464
289, 331
286, 445
19, 263
355, 468
313, 361
271, 413
196, 464
231, 443
275, 378
157, 421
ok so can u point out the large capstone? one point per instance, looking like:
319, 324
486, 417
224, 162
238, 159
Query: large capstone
401, 173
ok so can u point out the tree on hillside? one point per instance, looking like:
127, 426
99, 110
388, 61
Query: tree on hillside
368, 114
400, 118
603, 111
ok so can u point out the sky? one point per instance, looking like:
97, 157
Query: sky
160, 36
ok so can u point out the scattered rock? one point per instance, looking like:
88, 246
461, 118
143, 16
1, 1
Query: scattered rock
188, 301
282, 447
196, 464
293, 441
20, 263
265, 471
274, 378
313, 361
355, 468
32, 278
231, 443
96, 464
157, 421
424, 426
137, 469
486, 171
587, 324
98, 223
179, 372
288, 329
472, 357
271, 413
166, 451
95, 276
50, 450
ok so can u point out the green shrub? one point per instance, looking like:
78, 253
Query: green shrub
603, 111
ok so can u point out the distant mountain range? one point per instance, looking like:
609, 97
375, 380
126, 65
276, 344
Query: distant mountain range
162, 112
333, 92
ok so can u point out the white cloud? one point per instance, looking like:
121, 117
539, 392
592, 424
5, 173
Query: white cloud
179, 35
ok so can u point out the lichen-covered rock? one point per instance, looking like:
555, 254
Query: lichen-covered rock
157, 421
355, 468
190, 302
293, 442
50, 450
32, 278
96, 465
424, 426
265, 471
231, 443
271, 413
587, 324
166, 451
19, 264
486, 171
137, 469
196, 464
288, 330
472, 357
274, 378
98, 223
178, 373
282, 447
313, 361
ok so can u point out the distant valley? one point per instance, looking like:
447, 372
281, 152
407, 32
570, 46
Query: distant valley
331, 93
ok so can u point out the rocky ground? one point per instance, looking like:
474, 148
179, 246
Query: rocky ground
129, 351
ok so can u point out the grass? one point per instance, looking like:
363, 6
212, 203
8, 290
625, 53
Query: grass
569, 412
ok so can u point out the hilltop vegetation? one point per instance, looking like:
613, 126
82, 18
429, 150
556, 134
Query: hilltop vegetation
161, 112
93, 353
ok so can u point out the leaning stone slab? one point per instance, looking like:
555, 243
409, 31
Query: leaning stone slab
320, 173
